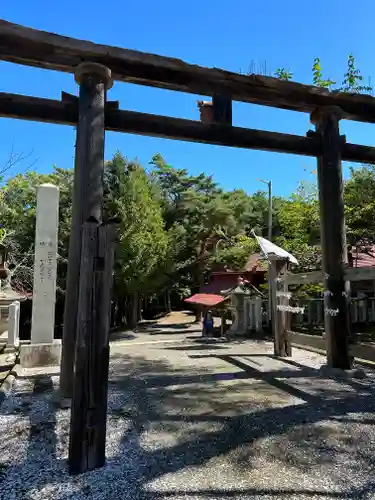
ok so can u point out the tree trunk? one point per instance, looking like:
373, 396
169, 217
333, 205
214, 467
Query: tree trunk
120, 312
140, 302
134, 312
167, 301
112, 322
169, 306
199, 310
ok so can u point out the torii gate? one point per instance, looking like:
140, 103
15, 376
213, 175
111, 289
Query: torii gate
95, 67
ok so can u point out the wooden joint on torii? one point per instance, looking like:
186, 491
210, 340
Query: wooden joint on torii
219, 110
99, 72
71, 99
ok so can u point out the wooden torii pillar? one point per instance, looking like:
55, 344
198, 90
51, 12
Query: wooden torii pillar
94, 81
279, 318
333, 236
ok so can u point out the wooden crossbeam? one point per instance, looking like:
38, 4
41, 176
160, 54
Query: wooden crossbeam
304, 278
360, 273
350, 274
65, 112
32, 47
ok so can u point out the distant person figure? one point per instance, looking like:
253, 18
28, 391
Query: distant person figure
208, 324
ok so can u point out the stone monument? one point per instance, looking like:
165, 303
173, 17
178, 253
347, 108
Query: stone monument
43, 349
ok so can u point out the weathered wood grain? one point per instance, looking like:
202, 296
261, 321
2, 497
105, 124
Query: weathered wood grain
222, 109
87, 202
282, 346
333, 238
89, 405
32, 47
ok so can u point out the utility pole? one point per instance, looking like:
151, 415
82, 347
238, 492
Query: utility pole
269, 184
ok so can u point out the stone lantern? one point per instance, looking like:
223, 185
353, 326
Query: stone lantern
7, 295
238, 296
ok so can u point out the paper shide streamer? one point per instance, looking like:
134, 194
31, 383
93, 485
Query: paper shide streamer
291, 309
331, 312
328, 293
288, 295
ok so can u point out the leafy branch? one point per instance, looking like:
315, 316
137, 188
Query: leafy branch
318, 79
283, 74
352, 81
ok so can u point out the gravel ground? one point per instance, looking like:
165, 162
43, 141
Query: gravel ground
200, 422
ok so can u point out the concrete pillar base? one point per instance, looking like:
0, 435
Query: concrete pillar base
11, 349
33, 355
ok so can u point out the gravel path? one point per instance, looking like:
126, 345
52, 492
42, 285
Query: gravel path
199, 422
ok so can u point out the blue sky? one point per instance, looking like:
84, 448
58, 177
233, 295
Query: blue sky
229, 35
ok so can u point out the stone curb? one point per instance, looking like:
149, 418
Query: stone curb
115, 343
359, 361
8, 382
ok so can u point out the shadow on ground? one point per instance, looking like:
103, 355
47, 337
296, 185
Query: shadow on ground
174, 421
150, 330
122, 335
304, 436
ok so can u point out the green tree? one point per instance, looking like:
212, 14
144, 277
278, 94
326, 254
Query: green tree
359, 196
188, 211
209, 225
236, 252
142, 239
18, 213
300, 227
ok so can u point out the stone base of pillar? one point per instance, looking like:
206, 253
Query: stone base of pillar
34, 355
60, 401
